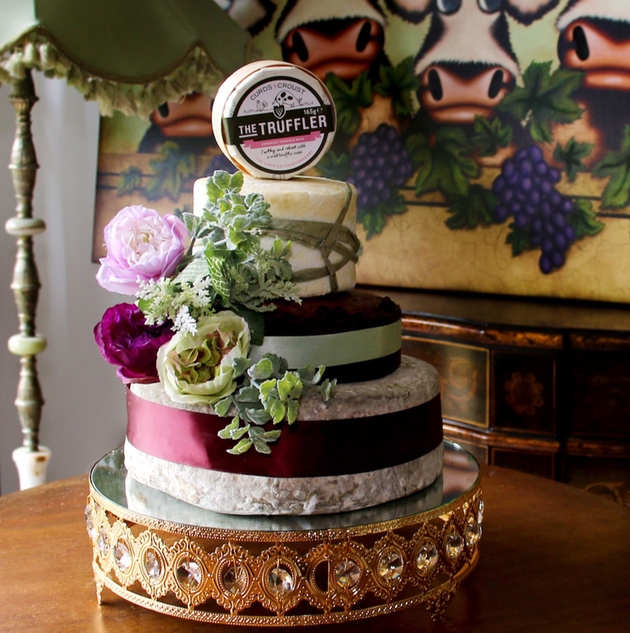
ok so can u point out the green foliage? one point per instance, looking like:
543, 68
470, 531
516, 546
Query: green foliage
584, 220
471, 210
616, 167
131, 181
519, 239
375, 218
545, 98
226, 267
270, 393
228, 231
173, 171
571, 155
349, 99
490, 135
444, 165
400, 84
334, 166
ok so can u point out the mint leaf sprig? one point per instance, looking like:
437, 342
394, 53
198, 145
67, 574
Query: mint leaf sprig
269, 393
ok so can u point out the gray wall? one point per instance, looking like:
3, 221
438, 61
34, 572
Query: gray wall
84, 416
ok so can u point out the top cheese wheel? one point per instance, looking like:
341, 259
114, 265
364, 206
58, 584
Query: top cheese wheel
273, 119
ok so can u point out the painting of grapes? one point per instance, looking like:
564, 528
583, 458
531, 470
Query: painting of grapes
489, 140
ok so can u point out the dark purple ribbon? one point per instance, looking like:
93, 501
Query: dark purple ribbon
305, 449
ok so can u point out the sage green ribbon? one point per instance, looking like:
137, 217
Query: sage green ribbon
325, 237
332, 350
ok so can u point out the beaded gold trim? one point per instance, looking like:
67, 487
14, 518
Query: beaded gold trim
278, 578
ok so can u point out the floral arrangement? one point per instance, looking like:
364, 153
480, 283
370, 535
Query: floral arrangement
201, 285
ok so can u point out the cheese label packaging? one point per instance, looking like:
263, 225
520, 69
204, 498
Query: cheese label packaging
276, 120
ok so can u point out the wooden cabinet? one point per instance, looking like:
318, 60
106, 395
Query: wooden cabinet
539, 386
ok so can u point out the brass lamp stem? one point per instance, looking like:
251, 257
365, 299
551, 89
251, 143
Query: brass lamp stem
25, 284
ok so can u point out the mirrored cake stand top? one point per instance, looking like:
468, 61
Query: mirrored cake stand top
109, 478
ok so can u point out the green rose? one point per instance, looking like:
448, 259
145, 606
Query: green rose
199, 367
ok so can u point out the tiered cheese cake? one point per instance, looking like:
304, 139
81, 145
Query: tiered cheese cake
378, 438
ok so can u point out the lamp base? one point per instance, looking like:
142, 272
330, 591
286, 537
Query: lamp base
31, 466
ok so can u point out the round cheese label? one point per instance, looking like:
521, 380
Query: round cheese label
273, 119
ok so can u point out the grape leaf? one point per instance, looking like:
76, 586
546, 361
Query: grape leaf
131, 181
349, 99
544, 99
490, 135
399, 83
584, 220
374, 218
571, 155
172, 171
336, 167
471, 210
519, 239
616, 165
444, 165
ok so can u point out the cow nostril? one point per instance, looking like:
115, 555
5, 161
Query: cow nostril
363, 39
581, 43
496, 83
163, 110
299, 46
435, 85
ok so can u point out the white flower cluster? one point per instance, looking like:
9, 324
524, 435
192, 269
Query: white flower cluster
183, 302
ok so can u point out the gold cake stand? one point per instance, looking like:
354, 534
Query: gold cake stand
174, 558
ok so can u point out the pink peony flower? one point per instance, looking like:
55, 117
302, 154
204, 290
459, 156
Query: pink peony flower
125, 340
141, 245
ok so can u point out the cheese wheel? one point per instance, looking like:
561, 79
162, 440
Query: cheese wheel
273, 119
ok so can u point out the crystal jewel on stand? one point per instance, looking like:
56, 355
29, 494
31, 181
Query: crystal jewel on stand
427, 557
347, 573
102, 542
89, 522
234, 579
189, 574
122, 556
480, 513
472, 534
280, 581
152, 565
454, 544
390, 565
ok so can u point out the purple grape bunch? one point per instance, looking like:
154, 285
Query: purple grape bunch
380, 165
526, 191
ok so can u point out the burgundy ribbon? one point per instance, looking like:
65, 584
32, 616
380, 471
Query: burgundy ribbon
305, 449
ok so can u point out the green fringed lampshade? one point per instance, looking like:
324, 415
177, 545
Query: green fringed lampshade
128, 55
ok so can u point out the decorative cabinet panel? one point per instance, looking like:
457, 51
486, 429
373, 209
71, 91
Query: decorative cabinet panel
538, 386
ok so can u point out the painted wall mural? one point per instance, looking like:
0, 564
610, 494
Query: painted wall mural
489, 140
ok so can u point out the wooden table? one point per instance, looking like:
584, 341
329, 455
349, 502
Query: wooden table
553, 559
